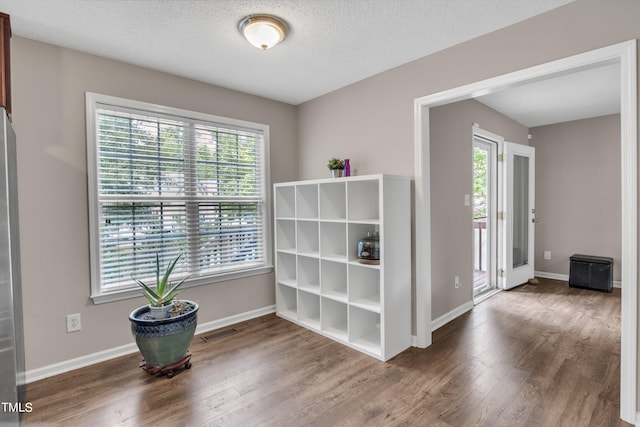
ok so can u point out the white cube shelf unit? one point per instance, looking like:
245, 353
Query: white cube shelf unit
319, 282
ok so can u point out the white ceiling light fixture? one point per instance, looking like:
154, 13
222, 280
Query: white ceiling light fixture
263, 31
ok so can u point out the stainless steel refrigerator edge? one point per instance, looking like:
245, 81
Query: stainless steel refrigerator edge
12, 362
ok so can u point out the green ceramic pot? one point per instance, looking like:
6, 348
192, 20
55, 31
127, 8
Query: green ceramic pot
163, 342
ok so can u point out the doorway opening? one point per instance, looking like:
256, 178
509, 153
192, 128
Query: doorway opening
625, 55
484, 215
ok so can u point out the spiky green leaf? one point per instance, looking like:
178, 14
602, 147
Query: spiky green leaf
160, 295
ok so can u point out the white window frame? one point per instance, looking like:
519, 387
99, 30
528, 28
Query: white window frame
92, 100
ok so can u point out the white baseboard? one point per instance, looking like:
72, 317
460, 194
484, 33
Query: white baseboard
565, 277
102, 356
553, 276
232, 320
79, 362
448, 317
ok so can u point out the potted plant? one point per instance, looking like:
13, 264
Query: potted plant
336, 166
161, 298
163, 337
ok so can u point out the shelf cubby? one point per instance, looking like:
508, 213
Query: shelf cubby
286, 271
309, 309
285, 235
333, 201
285, 202
357, 232
308, 237
333, 280
364, 329
320, 283
333, 243
309, 274
286, 301
307, 201
364, 288
334, 319
364, 201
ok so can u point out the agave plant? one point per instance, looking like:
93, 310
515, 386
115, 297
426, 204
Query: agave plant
164, 292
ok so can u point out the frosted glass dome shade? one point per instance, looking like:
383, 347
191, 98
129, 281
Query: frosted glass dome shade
263, 31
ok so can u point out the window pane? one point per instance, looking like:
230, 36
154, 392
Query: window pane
230, 233
173, 185
132, 233
520, 211
140, 157
227, 163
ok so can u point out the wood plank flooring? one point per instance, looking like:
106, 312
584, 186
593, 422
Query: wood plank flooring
538, 355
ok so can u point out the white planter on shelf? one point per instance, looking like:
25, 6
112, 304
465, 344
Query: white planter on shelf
161, 312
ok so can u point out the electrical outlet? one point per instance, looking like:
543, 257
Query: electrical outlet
547, 255
456, 282
73, 322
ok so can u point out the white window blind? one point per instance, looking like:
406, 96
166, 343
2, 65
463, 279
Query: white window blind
173, 184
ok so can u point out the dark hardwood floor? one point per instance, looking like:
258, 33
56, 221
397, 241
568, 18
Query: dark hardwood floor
538, 355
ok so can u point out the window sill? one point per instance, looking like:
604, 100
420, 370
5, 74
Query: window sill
191, 283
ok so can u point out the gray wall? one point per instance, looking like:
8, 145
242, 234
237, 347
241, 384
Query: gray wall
49, 118
452, 178
372, 121
578, 191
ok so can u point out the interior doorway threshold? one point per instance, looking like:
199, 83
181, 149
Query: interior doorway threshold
484, 295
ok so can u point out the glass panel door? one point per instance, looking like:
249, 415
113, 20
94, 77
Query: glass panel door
517, 215
484, 214
520, 211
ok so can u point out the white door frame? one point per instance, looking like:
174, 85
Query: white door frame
623, 53
495, 142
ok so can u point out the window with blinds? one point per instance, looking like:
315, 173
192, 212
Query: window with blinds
173, 182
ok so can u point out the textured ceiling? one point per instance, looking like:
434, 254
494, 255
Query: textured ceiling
332, 43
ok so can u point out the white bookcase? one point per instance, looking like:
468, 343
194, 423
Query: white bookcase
319, 282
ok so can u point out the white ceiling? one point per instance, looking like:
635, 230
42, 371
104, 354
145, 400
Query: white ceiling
582, 94
332, 43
